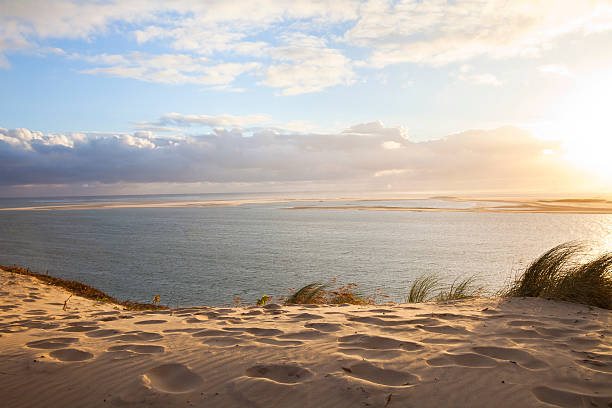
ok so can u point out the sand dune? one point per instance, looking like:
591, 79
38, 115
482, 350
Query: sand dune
477, 353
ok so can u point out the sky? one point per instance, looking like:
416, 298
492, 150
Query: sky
136, 97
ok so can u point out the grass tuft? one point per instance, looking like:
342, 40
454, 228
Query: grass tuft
459, 289
317, 293
561, 273
422, 288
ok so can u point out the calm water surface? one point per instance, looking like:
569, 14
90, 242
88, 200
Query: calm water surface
208, 255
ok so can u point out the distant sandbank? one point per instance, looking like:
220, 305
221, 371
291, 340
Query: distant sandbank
495, 204
569, 206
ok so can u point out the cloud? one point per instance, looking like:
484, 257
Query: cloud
555, 69
223, 120
438, 32
175, 69
479, 79
295, 47
366, 155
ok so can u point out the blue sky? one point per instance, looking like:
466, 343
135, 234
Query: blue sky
74, 73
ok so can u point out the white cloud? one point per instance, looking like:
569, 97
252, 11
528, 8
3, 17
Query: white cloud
555, 69
391, 145
168, 68
438, 32
223, 120
295, 46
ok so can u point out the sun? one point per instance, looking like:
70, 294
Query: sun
582, 121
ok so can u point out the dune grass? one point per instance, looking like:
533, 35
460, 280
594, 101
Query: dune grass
422, 288
318, 293
428, 287
459, 289
83, 290
566, 273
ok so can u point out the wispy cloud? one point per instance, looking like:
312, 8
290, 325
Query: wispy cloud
555, 69
295, 47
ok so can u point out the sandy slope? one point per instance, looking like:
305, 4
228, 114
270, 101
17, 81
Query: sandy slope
482, 353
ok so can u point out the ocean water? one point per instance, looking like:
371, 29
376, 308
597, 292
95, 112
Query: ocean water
209, 255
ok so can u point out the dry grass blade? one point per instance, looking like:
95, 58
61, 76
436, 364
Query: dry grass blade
539, 279
559, 274
317, 293
463, 289
311, 293
422, 288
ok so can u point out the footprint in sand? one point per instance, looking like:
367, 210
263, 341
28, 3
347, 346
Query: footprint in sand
38, 312
172, 378
70, 354
52, 343
522, 323
375, 355
280, 343
568, 399
256, 331
521, 357
252, 313
442, 340
224, 341
595, 361
211, 333
280, 373
103, 333
192, 320
369, 372
377, 321
151, 322
584, 342
464, 360
186, 330
306, 316
303, 335
448, 316
377, 343
114, 312
138, 348
555, 331
138, 336
324, 327
78, 329
381, 311
444, 329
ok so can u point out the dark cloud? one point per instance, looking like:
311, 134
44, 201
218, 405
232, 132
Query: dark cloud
367, 154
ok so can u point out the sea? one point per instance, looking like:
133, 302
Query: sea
220, 255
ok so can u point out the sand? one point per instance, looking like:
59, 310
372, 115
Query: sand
483, 204
477, 353
564, 206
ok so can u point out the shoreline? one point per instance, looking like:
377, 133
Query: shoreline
510, 205
478, 352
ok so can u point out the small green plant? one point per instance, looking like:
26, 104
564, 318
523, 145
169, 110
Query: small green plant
263, 300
